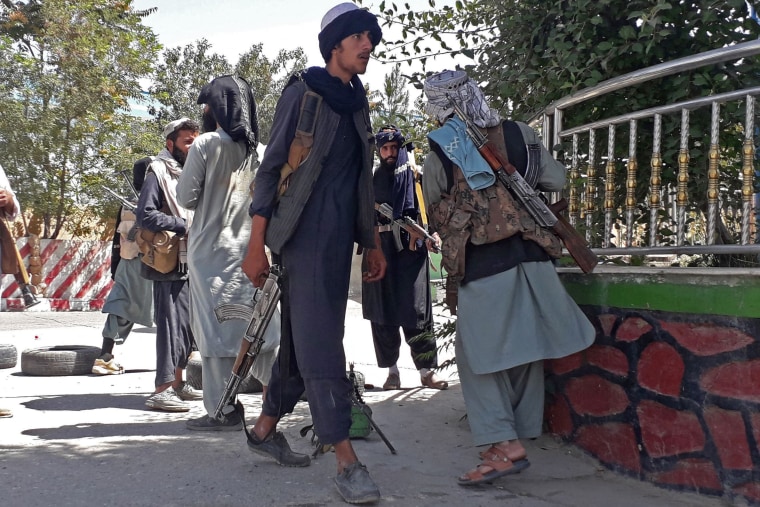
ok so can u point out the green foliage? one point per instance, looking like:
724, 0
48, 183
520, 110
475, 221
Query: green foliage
528, 54
267, 79
178, 79
67, 71
390, 106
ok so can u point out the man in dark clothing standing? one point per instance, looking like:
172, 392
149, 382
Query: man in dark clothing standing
158, 210
402, 298
328, 205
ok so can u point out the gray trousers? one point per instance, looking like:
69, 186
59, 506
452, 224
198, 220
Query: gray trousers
505, 405
117, 328
215, 372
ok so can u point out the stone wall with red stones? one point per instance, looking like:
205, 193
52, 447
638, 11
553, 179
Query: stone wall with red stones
669, 398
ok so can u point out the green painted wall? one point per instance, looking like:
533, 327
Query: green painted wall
683, 290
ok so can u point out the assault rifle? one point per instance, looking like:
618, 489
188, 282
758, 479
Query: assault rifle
408, 224
124, 202
529, 197
265, 302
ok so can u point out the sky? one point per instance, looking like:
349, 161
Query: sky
233, 26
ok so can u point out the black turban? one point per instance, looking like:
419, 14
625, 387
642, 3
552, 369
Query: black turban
231, 100
352, 20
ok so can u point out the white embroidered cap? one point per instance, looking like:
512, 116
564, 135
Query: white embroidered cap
172, 126
335, 12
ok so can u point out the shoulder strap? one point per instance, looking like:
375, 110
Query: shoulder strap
307, 120
525, 157
448, 165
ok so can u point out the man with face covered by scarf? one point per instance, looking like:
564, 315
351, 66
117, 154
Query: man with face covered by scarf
402, 298
215, 184
311, 229
158, 210
512, 310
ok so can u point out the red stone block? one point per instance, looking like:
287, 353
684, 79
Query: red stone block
734, 380
608, 358
59, 305
756, 429
661, 369
667, 432
695, 473
751, 490
607, 321
611, 443
565, 364
631, 329
707, 339
730, 437
593, 395
558, 417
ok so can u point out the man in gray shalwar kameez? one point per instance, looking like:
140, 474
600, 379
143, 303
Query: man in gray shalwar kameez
215, 183
131, 298
512, 311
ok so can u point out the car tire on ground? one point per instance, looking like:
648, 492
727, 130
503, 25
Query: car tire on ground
194, 373
8, 356
59, 360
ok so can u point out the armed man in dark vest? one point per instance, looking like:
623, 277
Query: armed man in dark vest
512, 310
312, 200
402, 298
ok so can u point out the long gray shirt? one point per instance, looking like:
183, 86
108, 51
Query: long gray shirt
520, 315
215, 183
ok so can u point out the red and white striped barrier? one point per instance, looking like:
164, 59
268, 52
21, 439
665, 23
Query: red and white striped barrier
77, 274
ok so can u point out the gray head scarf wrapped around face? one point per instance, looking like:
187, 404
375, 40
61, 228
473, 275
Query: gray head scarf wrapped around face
456, 85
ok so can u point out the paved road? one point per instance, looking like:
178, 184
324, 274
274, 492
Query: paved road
88, 440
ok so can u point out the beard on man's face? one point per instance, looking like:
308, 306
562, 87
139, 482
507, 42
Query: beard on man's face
209, 122
179, 155
388, 162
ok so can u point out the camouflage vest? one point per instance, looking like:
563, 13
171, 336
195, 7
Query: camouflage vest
483, 216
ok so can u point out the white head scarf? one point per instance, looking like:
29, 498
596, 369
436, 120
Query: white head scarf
455, 85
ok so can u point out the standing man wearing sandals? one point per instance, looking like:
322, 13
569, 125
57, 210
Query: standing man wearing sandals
311, 230
131, 298
512, 310
402, 298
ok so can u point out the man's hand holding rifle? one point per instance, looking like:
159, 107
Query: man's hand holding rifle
411, 226
266, 300
530, 198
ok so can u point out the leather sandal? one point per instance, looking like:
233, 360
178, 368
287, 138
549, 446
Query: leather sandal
495, 464
431, 380
392, 383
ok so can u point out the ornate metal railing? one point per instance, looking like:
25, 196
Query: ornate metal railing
594, 188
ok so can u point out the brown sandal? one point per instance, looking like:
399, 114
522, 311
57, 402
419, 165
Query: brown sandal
431, 381
495, 464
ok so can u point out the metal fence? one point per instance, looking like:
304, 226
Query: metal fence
604, 179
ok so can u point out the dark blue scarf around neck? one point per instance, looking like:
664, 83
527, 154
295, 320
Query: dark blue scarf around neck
340, 97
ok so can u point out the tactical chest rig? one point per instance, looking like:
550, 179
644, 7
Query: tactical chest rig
488, 215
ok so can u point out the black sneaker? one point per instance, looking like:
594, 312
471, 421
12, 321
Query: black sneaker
356, 486
277, 447
230, 422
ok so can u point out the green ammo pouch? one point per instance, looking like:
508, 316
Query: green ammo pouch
360, 427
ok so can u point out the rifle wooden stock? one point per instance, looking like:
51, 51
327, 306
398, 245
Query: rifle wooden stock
575, 243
